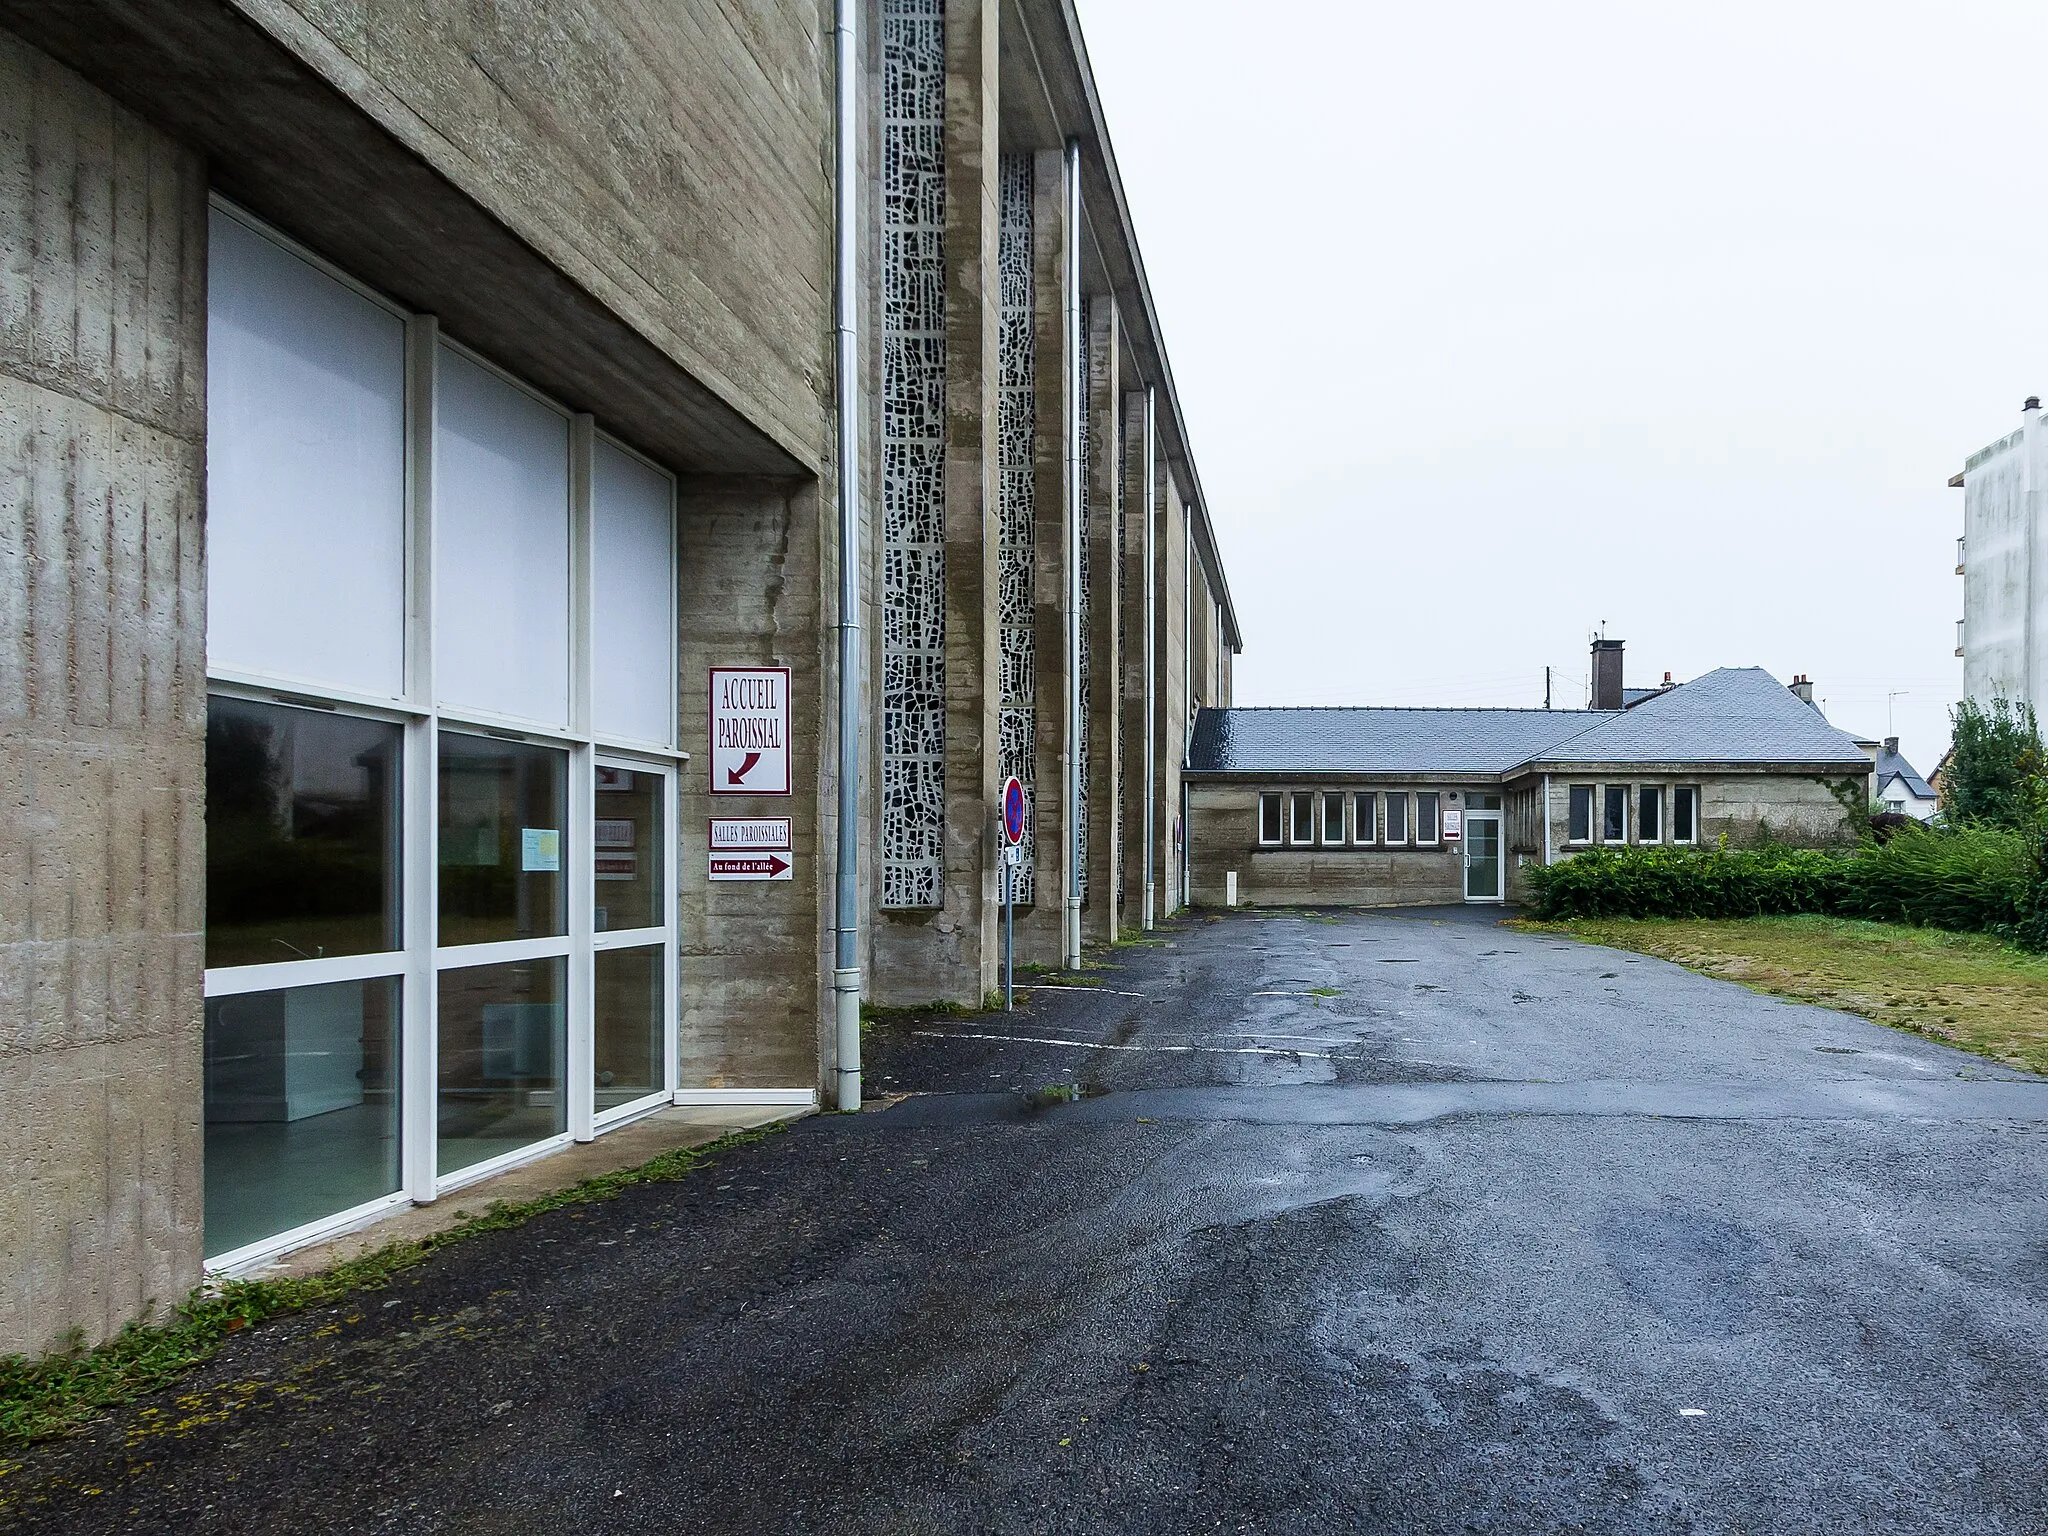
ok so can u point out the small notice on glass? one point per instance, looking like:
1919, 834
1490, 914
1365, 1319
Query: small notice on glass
540, 850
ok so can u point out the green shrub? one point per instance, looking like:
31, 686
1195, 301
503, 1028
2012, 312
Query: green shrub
1968, 880
1973, 879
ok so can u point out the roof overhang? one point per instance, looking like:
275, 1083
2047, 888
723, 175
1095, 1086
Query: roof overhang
1050, 31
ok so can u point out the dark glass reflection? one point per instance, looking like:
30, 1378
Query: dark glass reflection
502, 848
502, 1042
629, 1058
627, 857
301, 833
301, 1107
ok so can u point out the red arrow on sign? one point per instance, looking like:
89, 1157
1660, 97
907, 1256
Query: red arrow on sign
735, 775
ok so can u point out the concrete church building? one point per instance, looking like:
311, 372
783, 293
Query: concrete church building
406, 409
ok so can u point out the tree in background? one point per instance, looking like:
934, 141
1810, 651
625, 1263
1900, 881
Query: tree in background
1996, 772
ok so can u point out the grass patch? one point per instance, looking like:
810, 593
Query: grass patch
63, 1391
1963, 989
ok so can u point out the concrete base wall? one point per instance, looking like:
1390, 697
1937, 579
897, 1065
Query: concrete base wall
102, 708
755, 955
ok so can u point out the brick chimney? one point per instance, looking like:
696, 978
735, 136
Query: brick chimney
1803, 686
1606, 673
1891, 745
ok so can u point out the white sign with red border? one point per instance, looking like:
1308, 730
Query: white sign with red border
749, 834
752, 866
750, 731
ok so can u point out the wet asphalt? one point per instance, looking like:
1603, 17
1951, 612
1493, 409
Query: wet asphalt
1390, 1223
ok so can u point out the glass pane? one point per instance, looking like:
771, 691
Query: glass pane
501, 547
1269, 818
633, 689
628, 855
1425, 818
301, 1107
305, 470
301, 833
1397, 818
1685, 813
502, 846
1582, 813
1650, 824
1614, 824
1364, 817
502, 1040
1482, 854
1333, 818
1304, 817
629, 1058
1482, 802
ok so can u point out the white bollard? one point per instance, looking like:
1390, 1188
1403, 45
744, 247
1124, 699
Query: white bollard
1230, 888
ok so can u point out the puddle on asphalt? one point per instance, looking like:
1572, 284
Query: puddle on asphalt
1839, 1050
1053, 1094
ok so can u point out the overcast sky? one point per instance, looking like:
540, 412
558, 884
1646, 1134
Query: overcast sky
1493, 322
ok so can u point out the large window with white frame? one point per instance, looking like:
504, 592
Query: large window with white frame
440, 759
1333, 819
1270, 818
1301, 818
1365, 817
1397, 818
1426, 818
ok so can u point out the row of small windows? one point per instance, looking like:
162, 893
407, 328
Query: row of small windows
1617, 805
1363, 818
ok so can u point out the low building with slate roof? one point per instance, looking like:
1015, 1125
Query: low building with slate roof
1371, 806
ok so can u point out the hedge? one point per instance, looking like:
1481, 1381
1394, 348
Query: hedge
1975, 879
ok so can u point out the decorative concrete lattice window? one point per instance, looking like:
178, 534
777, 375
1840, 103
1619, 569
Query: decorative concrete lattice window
1081, 801
913, 450
1017, 430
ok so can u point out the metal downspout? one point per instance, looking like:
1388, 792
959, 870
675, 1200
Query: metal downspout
1076, 385
846, 320
1546, 818
1151, 709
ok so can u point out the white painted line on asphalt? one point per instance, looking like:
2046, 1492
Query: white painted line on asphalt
1289, 994
1692, 1413
1103, 1045
1055, 986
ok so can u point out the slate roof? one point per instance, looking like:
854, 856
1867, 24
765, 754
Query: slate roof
1892, 765
1733, 715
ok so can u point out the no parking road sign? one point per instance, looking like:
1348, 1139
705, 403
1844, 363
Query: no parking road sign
1013, 812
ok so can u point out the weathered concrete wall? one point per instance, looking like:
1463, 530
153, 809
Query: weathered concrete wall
102, 707
755, 565
1225, 836
595, 192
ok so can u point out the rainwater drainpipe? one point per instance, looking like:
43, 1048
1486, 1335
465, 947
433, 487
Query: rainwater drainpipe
1187, 688
1076, 384
1546, 818
846, 320
1151, 715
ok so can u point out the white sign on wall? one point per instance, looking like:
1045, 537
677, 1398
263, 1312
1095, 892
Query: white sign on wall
750, 730
1454, 824
757, 834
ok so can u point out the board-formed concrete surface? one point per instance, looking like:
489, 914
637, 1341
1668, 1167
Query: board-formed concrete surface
1387, 1222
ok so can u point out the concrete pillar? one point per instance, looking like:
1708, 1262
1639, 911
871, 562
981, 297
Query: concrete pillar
1039, 937
1170, 646
1105, 587
755, 584
968, 930
1131, 672
102, 708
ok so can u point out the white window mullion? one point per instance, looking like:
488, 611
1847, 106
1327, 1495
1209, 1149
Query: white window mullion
671, 966
580, 865
419, 835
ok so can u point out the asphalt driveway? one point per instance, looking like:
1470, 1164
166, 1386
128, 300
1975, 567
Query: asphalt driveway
1383, 1223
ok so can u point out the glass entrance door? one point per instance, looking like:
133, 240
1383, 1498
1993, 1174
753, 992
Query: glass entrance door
1482, 857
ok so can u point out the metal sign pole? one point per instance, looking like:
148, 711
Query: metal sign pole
1009, 934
